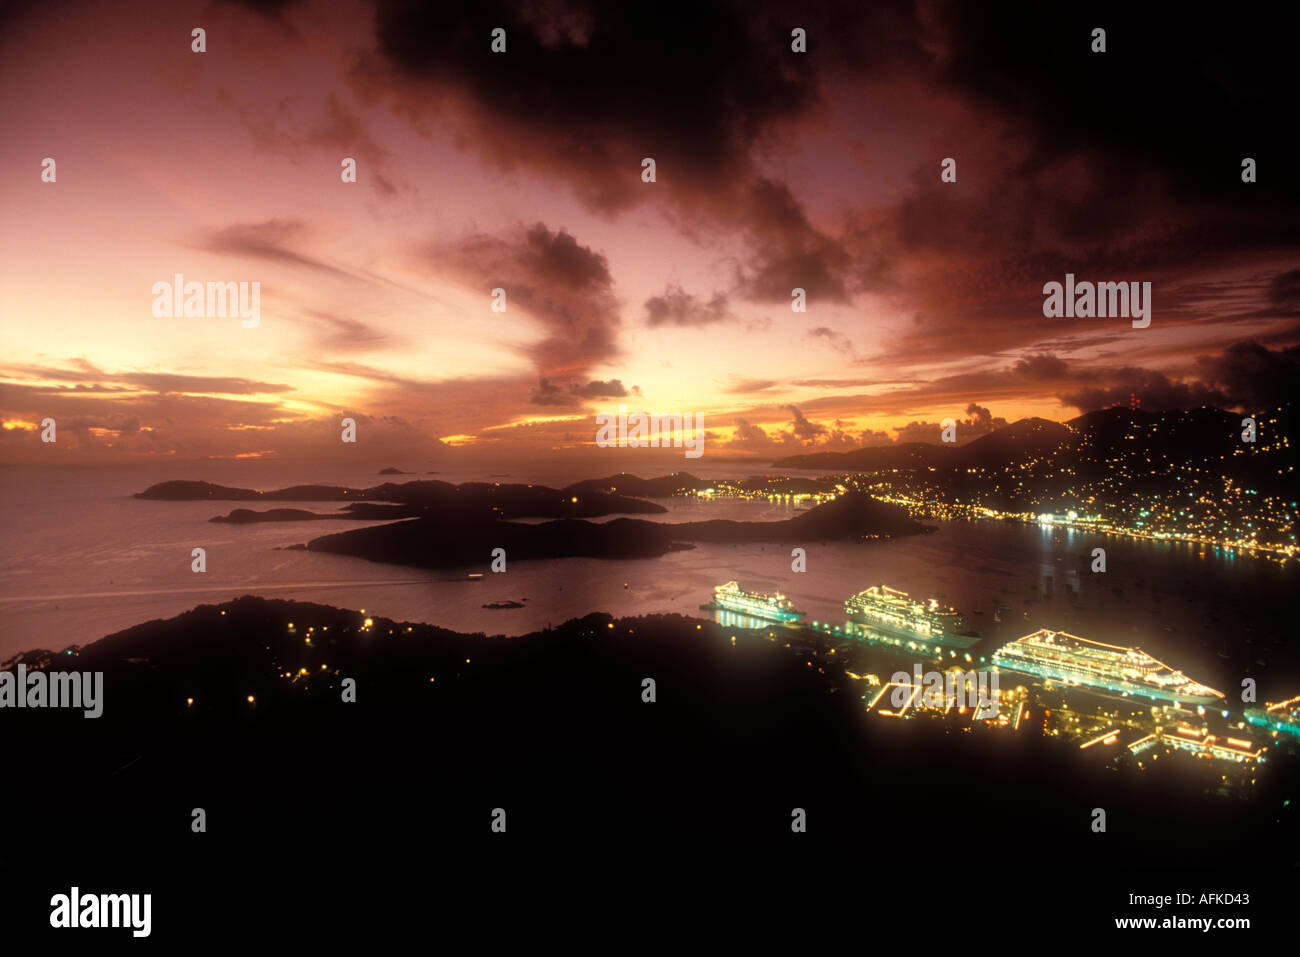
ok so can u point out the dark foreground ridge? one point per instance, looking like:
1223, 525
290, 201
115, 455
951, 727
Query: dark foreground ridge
311, 800
459, 540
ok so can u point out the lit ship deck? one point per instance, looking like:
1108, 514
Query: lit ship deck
1067, 658
774, 607
895, 612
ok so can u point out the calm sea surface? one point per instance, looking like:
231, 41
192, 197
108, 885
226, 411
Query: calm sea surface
80, 558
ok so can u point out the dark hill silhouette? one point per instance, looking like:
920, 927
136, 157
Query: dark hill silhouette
662, 486
679, 483
552, 728
906, 455
482, 498
1085, 444
461, 539
246, 516
1033, 436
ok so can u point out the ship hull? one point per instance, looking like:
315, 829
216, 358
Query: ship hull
1114, 686
755, 611
947, 641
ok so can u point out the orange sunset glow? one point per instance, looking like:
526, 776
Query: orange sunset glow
923, 297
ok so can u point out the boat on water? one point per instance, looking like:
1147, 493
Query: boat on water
1069, 659
774, 607
895, 612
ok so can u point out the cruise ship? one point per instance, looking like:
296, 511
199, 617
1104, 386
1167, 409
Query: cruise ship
775, 607
1073, 660
889, 610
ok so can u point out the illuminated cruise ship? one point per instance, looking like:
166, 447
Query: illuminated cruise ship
887, 609
775, 607
1074, 660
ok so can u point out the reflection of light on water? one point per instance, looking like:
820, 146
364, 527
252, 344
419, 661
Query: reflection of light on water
732, 619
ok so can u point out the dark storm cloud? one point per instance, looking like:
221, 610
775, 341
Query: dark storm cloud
749, 435
677, 307
802, 428
547, 392
584, 95
1123, 163
1127, 160
559, 256
787, 251
1152, 389
1247, 375
1186, 96
1253, 375
1035, 376
802, 434
271, 9
874, 437
1042, 368
1284, 293
13, 14
979, 421
294, 131
703, 82
558, 281
612, 389
692, 84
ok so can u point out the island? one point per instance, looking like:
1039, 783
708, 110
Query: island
452, 540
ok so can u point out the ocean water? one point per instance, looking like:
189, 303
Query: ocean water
80, 559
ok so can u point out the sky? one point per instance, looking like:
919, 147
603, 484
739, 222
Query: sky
522, 170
